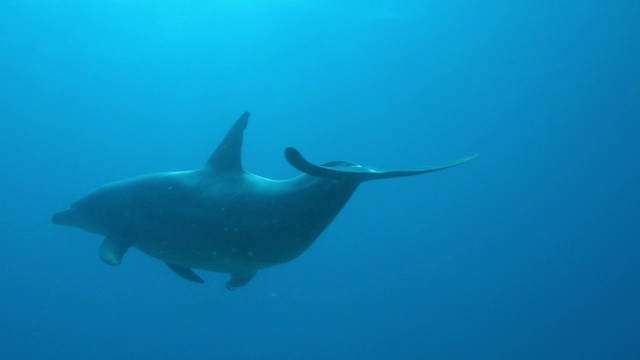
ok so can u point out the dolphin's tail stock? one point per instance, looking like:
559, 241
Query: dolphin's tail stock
344, 170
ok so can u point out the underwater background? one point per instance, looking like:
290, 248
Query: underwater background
530, 251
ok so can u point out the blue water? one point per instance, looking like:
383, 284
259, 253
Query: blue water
529, 252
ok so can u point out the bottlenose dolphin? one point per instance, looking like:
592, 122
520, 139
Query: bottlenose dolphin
222, 218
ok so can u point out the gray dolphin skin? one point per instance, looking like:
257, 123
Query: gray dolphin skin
222, 218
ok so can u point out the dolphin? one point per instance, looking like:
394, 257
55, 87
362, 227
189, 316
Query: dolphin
222, 218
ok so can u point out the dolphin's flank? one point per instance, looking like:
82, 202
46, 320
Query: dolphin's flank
222, 218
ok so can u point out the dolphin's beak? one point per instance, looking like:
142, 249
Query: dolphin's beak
65, 218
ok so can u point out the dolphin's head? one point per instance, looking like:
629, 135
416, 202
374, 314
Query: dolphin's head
109, 208
80, 215
93, 212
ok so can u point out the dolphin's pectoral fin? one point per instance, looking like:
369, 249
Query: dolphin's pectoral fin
113, 249
344, 170
239, 280
185, 273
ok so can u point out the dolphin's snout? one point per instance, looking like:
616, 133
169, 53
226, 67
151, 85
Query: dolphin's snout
63, 217
77, 218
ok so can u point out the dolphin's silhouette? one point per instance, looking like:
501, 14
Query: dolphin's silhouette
222, 218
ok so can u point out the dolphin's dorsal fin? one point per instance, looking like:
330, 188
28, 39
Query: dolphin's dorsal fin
227, 156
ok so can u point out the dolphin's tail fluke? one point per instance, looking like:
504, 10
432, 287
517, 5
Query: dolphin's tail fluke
344, 170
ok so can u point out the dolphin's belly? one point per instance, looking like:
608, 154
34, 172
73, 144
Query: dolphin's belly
225, 244
216, 253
